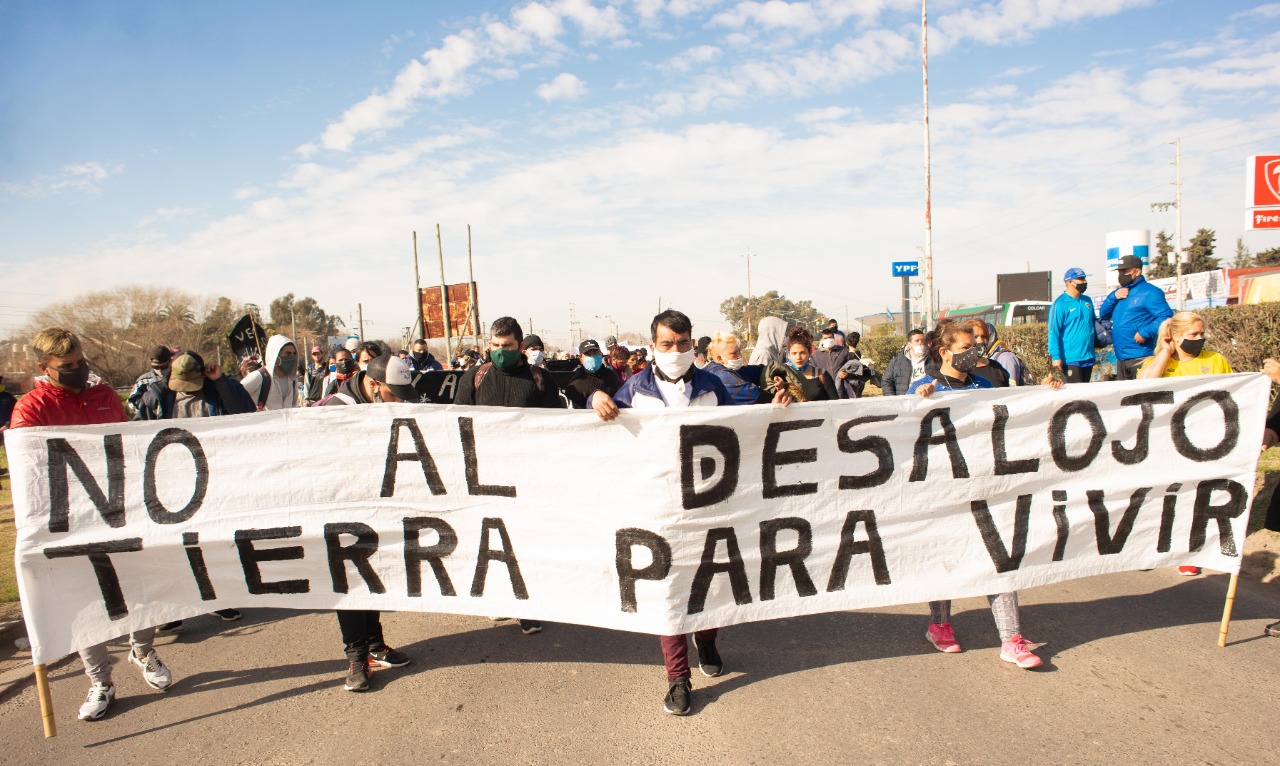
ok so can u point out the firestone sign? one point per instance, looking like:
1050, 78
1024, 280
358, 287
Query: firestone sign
1262, 191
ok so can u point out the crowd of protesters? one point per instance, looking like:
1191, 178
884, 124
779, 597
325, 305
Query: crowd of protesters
677, 370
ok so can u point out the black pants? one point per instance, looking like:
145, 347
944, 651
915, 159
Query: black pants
1273, 513
361, 631
1073, 373
1127, 369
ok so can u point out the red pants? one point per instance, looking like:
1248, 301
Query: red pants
675, 652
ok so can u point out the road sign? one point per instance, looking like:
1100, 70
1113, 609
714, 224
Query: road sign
1263, 181
1264, 219
906, 268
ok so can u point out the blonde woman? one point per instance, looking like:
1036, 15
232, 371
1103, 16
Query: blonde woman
1180, 351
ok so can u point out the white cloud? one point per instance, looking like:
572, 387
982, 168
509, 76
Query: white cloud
246, 193
439, 72
691, 58
826, 114
164, 214
997, 23
84, 178
564, 87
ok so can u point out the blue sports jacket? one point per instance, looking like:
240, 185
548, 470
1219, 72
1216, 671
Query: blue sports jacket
1140, 313
1071, 330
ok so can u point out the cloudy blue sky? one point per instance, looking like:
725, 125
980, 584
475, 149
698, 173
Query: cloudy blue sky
612, 154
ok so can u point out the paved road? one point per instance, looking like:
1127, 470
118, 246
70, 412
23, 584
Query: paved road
1133, 675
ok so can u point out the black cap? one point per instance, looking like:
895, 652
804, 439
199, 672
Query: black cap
161, 354
1129, 262
532, 341
587, 347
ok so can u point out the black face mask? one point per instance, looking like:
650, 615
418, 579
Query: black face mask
1192, 347
345, 367
76, 380
1126, 279
1082, 286
419, 356
965, 361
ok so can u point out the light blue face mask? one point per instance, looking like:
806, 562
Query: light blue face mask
592, 362
792, 365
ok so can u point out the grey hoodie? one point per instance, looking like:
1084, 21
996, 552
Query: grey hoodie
283, 393
771, 342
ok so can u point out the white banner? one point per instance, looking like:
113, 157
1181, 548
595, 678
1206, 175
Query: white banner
660, 522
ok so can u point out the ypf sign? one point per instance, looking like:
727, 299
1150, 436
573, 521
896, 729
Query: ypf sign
1262, 191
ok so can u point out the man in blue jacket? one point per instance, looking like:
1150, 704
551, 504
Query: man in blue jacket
1135, 309
1071, 334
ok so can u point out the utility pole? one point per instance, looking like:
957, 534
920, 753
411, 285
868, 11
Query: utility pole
609, 318
748, 256
360, 309
928, 193
471, 287
444, 295
293, 319
417, 288
1177, 208
573, 328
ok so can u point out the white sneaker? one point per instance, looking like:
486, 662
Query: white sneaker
95, 706
154, 672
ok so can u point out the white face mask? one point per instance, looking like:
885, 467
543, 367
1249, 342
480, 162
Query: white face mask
734, 364
674, 364
535, 357
827, 343
916, 351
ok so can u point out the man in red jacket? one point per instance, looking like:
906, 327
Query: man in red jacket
67, 394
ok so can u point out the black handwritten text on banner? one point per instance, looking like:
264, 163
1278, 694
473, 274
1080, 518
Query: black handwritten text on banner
727, 515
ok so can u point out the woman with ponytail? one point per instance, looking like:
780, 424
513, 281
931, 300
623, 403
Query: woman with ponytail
950, 347
1180, 350
805, 381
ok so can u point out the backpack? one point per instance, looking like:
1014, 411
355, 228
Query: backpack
539, 376
1101, 333
264, 390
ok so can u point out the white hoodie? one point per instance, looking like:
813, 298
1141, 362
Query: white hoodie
283, 393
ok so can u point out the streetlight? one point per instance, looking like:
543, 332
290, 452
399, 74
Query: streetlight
748, 256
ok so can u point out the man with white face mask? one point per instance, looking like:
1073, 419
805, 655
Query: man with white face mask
533, 351
907, 367
672, 381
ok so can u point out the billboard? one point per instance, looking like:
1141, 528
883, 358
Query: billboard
1024, 286
459, 311
1262, 191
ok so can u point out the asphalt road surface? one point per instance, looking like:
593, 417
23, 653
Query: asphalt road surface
1133, 674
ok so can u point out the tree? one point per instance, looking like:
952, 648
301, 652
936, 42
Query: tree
744, 315
1164, 264
1243, 259
1269, 257
118, 328
1200, 252
314, 325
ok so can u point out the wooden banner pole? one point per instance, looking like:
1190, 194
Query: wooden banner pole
46, 701
1226, 610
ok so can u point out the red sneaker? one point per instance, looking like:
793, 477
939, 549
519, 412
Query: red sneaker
942, 637
1017, 651
1189, 571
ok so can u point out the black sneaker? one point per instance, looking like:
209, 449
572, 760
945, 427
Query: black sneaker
529, 627
230, 615
677, 701
358, 676
386, 657
170, 627
709, 661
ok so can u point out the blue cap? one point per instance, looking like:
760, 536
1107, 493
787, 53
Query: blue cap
1076, 273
